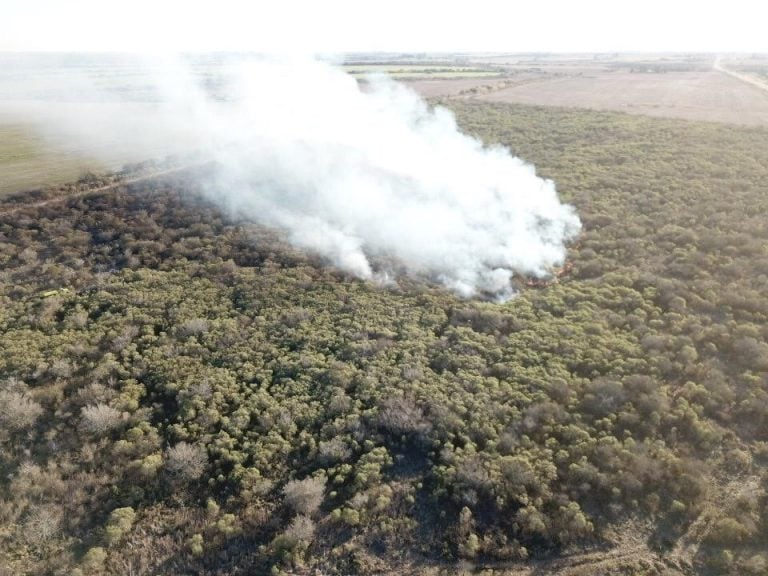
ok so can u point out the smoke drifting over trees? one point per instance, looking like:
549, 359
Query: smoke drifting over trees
360, 173
352, 173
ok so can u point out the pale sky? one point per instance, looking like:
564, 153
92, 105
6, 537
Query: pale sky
391, 25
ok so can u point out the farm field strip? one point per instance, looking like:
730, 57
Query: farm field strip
710, 96
421, 71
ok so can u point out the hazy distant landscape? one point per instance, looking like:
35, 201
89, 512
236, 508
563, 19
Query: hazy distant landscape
39, 89
324, 348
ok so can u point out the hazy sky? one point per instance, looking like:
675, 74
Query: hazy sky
392, 25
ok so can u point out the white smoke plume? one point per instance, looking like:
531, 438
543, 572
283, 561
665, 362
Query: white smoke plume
353, 173
361, 174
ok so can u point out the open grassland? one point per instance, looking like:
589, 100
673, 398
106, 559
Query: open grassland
45, 143
28, 161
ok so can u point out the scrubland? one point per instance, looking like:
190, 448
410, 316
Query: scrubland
183, 393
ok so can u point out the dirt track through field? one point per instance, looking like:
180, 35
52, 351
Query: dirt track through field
741, 76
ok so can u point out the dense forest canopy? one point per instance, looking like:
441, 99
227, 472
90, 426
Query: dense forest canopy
180, 393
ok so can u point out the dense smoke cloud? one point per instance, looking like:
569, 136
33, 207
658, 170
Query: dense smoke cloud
357, 173
368, 174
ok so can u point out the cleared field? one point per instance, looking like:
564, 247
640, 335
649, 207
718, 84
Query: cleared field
710, 95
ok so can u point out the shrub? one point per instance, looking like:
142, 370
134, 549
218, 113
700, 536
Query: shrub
305, 496
93, 560
727, 531
42, 525
402, 416
301, 530
18, 411
119, 524
149, 465
99, 419
755, 565
186, 461
227, 525
193, 327
196, 545
350, 516
334, 450
470, 546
